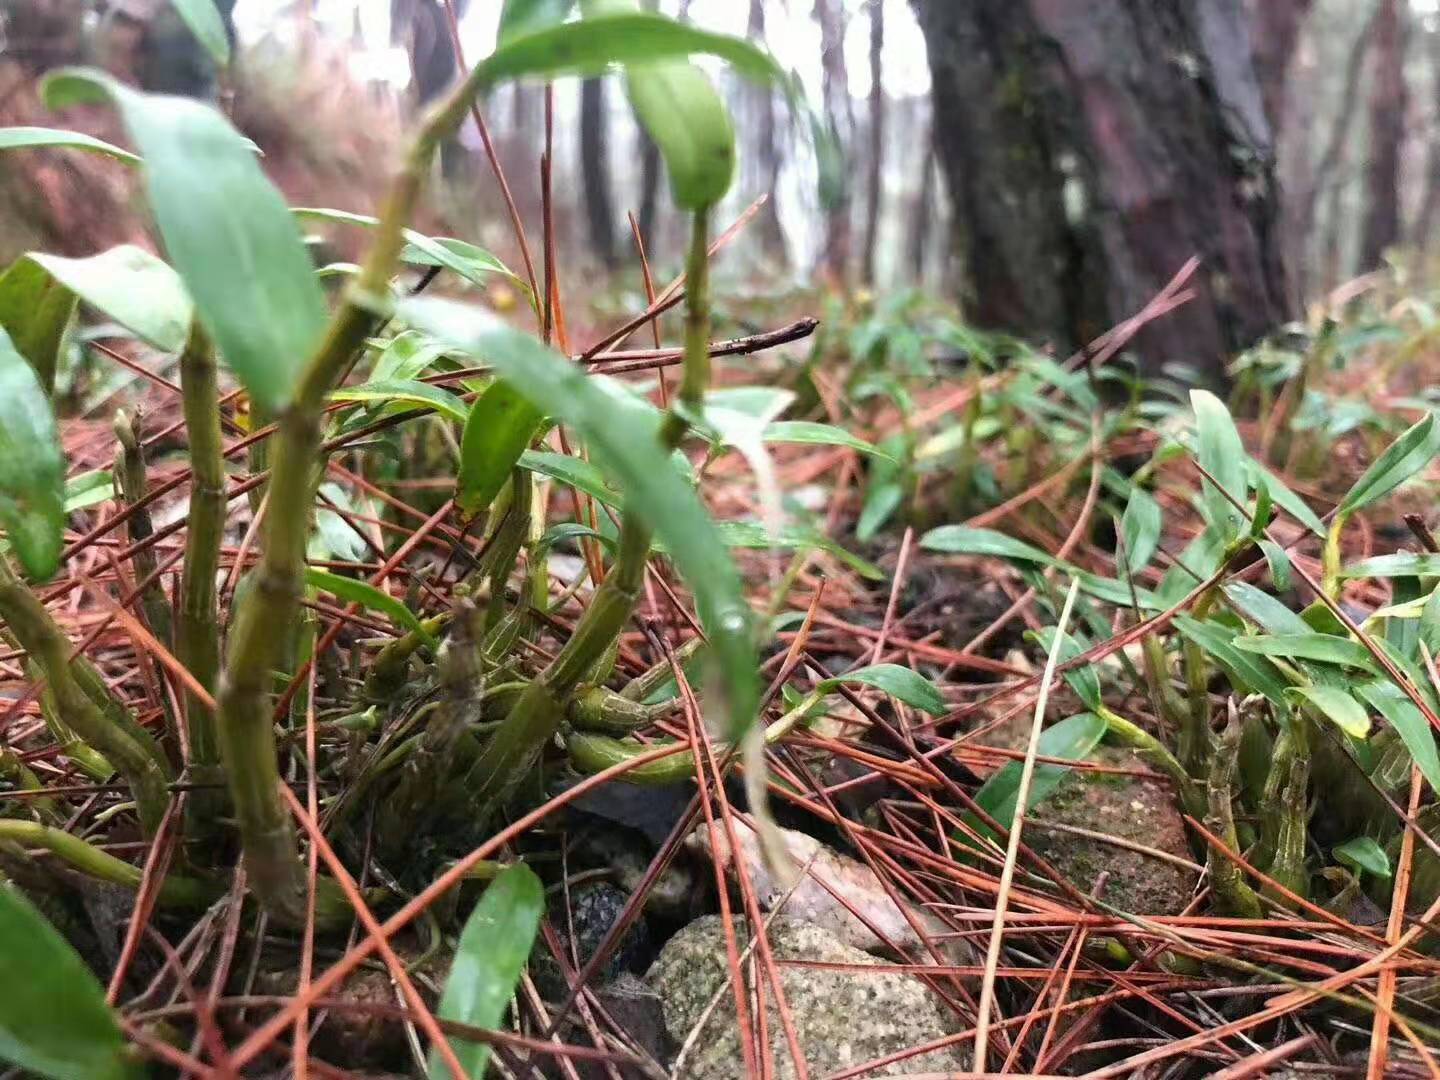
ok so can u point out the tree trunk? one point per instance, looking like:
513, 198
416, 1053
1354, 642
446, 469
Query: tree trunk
766, 152
1430, 209
1388, 101
1091, 149
922, 221
877, 138
595, 170
1274, 30
835, 257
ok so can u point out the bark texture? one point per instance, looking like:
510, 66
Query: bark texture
764, 157
839, 111
1090, 150
1275, 30
595, 169
876, 164
1388, 102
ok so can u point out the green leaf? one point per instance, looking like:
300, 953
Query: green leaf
1222, 454
494, 948
590, 46
1363, 853
1264, 610
1085, 680
1402, 564
205, 23
1283, 497
87, 489
226, 231
25, 138
406, 391
1250, 670
753, 534
1279, 561
1409, 723
964, 540
899, 682
624, 436
520, 17
53, 1020
367, 595
678, 105
576, 472
805, 431
1141, 527
34, 311
1072, 739
470, 262
882, 499
1405, 457
1322, 647
500, 427
32, 467
129, 286
1337, 706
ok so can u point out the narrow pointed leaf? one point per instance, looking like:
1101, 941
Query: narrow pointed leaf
899, 682
226, 230
1251, 670
1364, 853
208, 27
88, 488
1405, 457
1263, 609
1409, 723
1141, 527
367, 595
1402, 564
500, 426
1325, 648
32, 467
494, 948
406, 391
576, 472
25, 138
1284, 498
964, 540
1279, 562
753, 534
625, 439
679, 107
35, 309
1220, 451
806, 431
520, 17
1336, 706
53, 1019
129, 286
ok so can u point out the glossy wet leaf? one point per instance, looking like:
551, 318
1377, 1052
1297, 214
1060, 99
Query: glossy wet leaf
88, 489
806, 431
1263, 609
1279, 562
367, 595
53, 1018
1320, 647
35, 309
576, 472
494, 949
1283, 497
24, 138
1402, 564
965, 540
1072, 739
1409, 723
406, 392
753, 534
32, 467
1336, 706
1251, 670
1405, 457
204, 21
500, 426
1219, 449
678, 105
1363, 853
624, 438
1141, 527
226, 229
131, 287
899, 682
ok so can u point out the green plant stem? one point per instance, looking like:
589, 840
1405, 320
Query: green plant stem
85, 758
175, 891
1288, 865
197, 639
133, 753
1330, 557
1167, 702
245, 725
651, 680
21, 777
513, 750
130, 472
1155, 753
1196, 745
1232, 891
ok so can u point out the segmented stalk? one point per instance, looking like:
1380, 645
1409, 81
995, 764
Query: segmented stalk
130, 473
1232, 891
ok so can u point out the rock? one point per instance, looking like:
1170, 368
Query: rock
843, 1017
814, 902
1129, 808
594, 909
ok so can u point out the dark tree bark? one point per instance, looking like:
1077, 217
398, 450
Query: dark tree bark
1090, 150
1275, 29
595, 171
922, 220
1388, 100
765, 154
876, 172
1424, 230
835, 257
649, 154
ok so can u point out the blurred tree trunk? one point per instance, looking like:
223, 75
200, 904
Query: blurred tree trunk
1430, 208
922, 220
1091, 149
649, 154
595, 171
1275, 29
835, 256
876, 163
1388, 101
766, 153
421, 25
